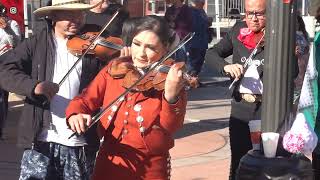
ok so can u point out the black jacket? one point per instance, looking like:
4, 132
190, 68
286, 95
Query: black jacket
98, 20
23, 68
230, 45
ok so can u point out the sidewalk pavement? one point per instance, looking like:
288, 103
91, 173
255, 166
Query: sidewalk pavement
201, 149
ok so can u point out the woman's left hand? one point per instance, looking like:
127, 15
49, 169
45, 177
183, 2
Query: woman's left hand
125, 51
173, 85
3, 23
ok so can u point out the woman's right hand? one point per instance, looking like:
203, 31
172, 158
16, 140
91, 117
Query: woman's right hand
234, 70
79, 122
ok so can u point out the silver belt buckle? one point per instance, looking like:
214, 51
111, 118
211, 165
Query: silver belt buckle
249, 98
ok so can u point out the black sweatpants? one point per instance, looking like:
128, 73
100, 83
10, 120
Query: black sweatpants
240, 143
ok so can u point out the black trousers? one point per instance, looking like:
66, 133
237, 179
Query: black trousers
196, 60
3, 108
240, 143
316, 165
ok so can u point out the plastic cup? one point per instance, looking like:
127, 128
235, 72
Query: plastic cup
255, 133
270, 143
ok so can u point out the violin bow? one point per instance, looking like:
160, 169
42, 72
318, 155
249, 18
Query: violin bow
99, 115
89, 47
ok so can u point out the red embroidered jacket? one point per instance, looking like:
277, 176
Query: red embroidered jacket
145, 121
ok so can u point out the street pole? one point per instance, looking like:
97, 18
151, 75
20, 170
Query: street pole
277, 98
217, 11
25, 18
278, 68
303, 8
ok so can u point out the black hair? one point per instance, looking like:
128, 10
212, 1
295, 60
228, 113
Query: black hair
302, 27
156, 24
128, 28
318, 15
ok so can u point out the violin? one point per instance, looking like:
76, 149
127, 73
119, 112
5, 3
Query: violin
123, 68
83, 51
102, 48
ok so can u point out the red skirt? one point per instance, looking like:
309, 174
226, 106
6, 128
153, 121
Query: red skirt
123, 162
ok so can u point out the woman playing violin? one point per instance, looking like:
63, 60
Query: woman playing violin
137, 131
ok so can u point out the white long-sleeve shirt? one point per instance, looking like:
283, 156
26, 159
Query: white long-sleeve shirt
58, 131
10, 36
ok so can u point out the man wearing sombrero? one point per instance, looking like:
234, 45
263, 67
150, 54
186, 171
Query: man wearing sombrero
33, 69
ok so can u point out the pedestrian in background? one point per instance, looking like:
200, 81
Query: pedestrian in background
179, 18
101, 14
10, 36
198, 45
302, 55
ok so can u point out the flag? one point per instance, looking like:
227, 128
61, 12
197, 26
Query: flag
304, 133
308, 103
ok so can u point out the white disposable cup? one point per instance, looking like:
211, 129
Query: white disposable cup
270, 143
255, 133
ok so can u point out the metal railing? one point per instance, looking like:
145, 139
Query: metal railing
224, 7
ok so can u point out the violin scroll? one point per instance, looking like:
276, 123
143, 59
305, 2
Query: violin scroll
120, 67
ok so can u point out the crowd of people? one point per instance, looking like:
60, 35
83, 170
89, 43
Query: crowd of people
132, 138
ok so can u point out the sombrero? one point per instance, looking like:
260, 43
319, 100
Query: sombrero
63, 5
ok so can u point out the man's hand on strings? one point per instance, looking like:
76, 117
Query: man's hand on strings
234, 70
